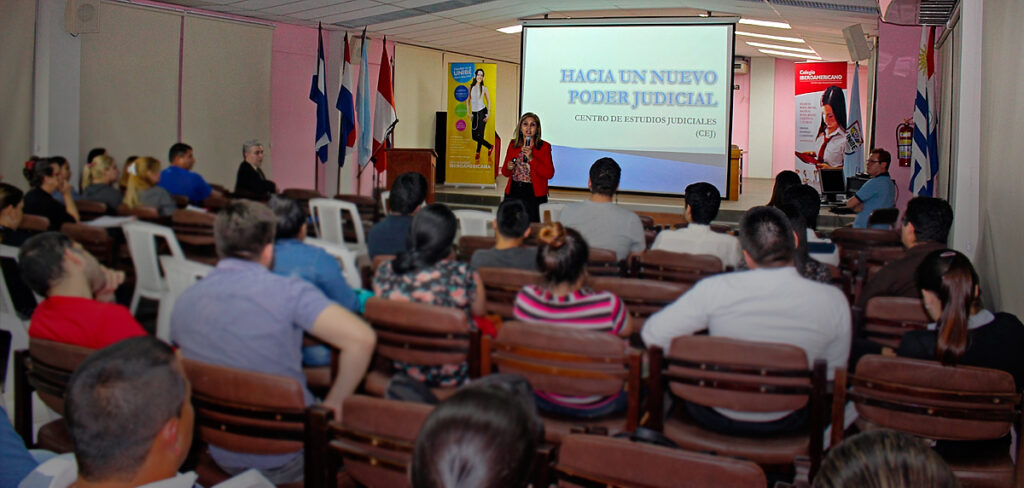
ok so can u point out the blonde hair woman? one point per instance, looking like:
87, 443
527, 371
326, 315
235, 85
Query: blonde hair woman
143, 189
98, 181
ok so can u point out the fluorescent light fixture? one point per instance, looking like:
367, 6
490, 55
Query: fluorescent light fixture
766, 23
784, 48
512, 29
792, 55
766, 36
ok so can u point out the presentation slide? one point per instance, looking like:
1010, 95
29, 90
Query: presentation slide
656, 98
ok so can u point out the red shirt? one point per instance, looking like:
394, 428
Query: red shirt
541, 167
83, 322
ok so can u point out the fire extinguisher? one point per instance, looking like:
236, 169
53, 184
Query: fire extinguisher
905, 142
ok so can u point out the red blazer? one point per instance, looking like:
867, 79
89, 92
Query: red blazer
541, 167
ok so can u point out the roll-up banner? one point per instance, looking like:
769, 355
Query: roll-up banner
470, 151
821, 122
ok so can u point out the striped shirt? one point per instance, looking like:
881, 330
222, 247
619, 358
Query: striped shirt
581, 309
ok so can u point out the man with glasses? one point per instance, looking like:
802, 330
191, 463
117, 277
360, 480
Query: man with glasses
878, 192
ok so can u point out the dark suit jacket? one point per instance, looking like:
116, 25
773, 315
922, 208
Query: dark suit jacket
250, 180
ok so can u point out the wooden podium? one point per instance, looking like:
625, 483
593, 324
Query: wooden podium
420, 161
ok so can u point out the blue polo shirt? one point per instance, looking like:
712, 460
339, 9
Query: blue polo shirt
180, 181
295, 258
878, 192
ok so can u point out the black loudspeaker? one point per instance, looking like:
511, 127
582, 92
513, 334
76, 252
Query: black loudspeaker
440, 134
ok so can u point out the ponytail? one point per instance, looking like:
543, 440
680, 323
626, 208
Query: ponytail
138, 179
95, 169
950, 276
430, 239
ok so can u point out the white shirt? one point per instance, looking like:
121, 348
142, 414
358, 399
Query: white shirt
835, 150
476, 97
823, 257
774, 305
62, 472
700, 239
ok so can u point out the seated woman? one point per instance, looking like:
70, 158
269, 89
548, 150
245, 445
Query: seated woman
11, 204
783, 181
427, 272
884, 458
964, 333
98, 182
563, 301
808, 267
44, 176
142, 188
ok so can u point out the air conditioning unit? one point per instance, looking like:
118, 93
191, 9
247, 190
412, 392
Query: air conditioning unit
740, 66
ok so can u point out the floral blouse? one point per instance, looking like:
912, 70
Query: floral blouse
448, 283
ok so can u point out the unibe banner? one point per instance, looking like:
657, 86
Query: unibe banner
821, 122
470, 151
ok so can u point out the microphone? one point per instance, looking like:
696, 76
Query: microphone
525, 145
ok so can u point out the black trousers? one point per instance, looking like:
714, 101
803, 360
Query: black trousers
524, 192
478, 130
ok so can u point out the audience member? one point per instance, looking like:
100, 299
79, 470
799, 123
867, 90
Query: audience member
427, 272
388, 237
769, 303
783, 181
129, 170
275, 311
143, 189
963, 331
511, 228
44, 176
808, 202
179, 179
926, 224
481, 437
65, 172
250, 180
884, 458
129, 413
98, 182
878, 192
701, 207
807, 266
78, 291
12, 207
602, 223
96, 151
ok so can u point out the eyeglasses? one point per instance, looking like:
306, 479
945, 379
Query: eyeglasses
874, 161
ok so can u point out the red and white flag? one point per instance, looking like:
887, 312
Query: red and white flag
384, 116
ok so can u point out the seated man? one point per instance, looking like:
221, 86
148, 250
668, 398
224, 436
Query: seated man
250, 181
387, 237
78, 291
878, 192
130, 416
808, 202
179, 179
702, 202
769, 303
243, 316
602, 223
511, 228
926, 224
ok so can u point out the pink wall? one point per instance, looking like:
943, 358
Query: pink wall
784, 138
292, 114
897, 87
741, 114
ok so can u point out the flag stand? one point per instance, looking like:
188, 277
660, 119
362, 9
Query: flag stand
373, 159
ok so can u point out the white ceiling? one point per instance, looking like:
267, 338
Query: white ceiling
469, 26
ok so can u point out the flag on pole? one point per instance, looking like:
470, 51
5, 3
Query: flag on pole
925, 155
384, 112
853, 159
347, 132
318, 94
363, 105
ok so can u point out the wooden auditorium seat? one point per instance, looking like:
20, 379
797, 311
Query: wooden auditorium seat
469, 245
603, 262
674, 266
45, 368
643, 298
34, 224
90, 210
888, 319
96, 240
501, 286
194, 230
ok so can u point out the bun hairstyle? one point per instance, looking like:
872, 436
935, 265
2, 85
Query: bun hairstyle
36, 169
950, 276
562, 254
430, 240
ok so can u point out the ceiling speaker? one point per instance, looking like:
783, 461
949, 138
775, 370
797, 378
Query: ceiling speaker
82, 16
857, 43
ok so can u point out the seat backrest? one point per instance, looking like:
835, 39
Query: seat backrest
927, 399
550, 212
142, 245
180, 274
96, 240
375, 440
468, 245
592, 460
675, 266
88, 209
193, 227
603, 262
49, 368
329, 217
216, 203
474, 222
34, 223
345, 257
887, 319
884, 216
300, 194
501, 286
643, 298
245, 411
850, 238
417, 333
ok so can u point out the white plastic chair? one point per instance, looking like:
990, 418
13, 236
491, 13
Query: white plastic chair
180, 274
142, 244
384, 196
329, 217
349, 268
475, 222
555, 210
